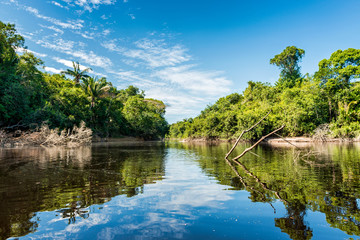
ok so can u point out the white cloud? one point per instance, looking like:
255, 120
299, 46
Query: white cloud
67, 47
53, 70
89, 5
68, 63
86, 35
106, 32
71, 24
91, 58
178, 103
204, 82
156, 53
112, 46
132, 16
53, 28
23, 50
59, 45
57, 4
104, 17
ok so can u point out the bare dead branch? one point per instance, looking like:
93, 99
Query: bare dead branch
259, 141
245, 131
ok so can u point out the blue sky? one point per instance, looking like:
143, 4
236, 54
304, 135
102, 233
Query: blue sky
186, 53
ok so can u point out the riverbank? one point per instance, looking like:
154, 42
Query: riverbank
48, 137
284, 140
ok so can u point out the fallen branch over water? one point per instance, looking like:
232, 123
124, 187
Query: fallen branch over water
245, 131
257, 143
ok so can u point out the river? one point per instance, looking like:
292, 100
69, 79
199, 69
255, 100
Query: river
170, 190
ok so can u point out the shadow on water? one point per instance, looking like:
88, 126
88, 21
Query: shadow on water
69, 180
326, 182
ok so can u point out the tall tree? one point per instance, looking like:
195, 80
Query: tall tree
335, 75
77, 73
340, 68
21, 83
95, 88
288, 61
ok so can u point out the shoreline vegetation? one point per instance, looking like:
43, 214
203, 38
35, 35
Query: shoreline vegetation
270, 140
73, 108
323, 107
39, 108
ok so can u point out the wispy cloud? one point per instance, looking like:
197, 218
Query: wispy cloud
168, 76
86, 34
23, 50
206, 82
156, 53
106, 32
68, 47
59, 45
52, 70
68, 63
178, 103
57, 4
71, 24
91, 58
53, 28
90, 5
132, 16
113, 46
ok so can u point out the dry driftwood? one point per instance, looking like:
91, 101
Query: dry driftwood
44, 136
260, 140
245, 131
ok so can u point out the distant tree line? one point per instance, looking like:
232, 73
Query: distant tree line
329, 99
30, 97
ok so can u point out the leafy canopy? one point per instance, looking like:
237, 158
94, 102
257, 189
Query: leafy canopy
288, 61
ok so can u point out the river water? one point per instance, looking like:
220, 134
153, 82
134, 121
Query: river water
160, 190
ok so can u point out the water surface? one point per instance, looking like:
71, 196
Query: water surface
180, 191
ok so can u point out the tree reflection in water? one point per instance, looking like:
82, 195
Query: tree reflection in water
66, 182
328, 182
70, 180
293, 224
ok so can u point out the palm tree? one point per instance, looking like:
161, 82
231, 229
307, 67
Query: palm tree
77, 73
95, 88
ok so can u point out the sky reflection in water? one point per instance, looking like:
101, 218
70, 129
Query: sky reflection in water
180, 192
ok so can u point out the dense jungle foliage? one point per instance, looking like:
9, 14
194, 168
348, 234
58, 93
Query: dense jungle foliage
29, 97
327, 102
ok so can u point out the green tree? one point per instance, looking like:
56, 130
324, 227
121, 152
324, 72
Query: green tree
77, 73
145, 117
288, 61
95, 88
21, 83
335, 75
